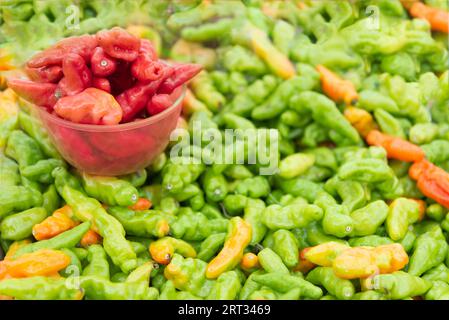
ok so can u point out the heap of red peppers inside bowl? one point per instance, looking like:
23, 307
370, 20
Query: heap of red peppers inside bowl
104, 79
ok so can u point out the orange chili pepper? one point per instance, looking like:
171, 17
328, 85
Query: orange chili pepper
396, 148
232, 252
249, 261
360, 119
43, 262
303, 265
437, 18
363, 262
89, 238
432, 181
57, 223
14, 247
336, 88
141, 204
163, 249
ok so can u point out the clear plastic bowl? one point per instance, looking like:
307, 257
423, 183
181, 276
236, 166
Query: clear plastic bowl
112, 150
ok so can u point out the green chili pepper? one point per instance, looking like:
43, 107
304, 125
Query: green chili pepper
207, 31
369, 241
41, 171
324, 276
192, 226
300, 188
372, 100
325, 112
282, 282
438, 291
97, 288
295, 165
215, 186
402, 213
430, 250
245, 101
368, 295
138, 178
98, 264
422, 133
23, 149
63, 177
290, 216
253, 213
189, 274
353, 193
110, 190
67, 239
50, 199
369, 218
169, 205
240, 59
271, 262
18, 198
211, 245
74, 268
226, 287
175, 176
316, 235
389, 124
114, 242
286, 246
9, 171
256, 187
438, 273
204, 90
40, 288
283, 35
34, 128
399, 285
18, 226
436, 212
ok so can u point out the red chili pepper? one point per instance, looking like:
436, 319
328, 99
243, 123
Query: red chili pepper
119, 44
432, 181
77, 75
135, 99
181, 74
148, 48
102, 84
122, 79
92, 106
83, 45
85, 154
160, 102
101, 64
41, 94
396, 148
146, 70
45, 74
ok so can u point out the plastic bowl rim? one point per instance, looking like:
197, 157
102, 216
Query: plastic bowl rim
115, 127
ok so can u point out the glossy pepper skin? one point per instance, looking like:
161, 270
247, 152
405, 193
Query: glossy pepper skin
239, 236
141, 223
18, 198
189, 274
114, 242
253, 212
41, 170
97, 288
430, 250
226, 287
110, 190
290, 216
40, 288
19, 226
23, 149
211, 245
402, 212
324, 276
176, 176
398, 285
285, 282
67, 239
194, 226
98, 264
162, 250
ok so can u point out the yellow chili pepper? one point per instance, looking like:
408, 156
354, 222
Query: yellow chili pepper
239, 236
325, 253
163, 249
43, 262
360, 119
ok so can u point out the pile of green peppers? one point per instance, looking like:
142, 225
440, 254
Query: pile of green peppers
327, 186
